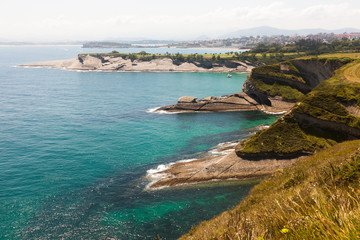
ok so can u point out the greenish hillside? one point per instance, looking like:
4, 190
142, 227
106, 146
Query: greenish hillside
316, 198
293, 79
329, 114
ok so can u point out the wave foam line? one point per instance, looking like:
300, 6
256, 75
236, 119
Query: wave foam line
158, 173
155, 110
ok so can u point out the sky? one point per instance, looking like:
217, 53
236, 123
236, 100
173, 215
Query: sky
89, 20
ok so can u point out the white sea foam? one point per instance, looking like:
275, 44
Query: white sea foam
184, 161
274, 113
33, 66
156, 174
218, 150
152, 110
262, 127
155, 110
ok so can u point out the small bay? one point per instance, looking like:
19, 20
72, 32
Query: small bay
76, 146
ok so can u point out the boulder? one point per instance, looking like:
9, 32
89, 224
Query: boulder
186, 99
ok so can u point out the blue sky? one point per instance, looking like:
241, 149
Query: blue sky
40, 20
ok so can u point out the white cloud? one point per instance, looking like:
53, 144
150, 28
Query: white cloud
166, 24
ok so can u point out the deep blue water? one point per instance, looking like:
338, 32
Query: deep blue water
75, 148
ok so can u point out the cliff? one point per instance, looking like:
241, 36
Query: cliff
327, 115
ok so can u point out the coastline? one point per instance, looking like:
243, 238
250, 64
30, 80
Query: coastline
219, 164
118, 64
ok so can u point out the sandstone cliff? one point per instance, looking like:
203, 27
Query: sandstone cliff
325, 116
108, 62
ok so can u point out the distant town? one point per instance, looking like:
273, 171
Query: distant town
243, 42
236, 43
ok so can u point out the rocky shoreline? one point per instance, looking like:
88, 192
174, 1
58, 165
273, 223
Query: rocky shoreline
89, 62
234, 102
214, 168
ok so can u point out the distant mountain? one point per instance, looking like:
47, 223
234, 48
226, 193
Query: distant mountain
271, 31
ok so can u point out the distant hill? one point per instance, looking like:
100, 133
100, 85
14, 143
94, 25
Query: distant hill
270, 31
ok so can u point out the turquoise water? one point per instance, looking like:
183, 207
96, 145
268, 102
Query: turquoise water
76, 146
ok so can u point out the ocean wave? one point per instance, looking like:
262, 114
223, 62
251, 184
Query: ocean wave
274, 113
33, 66
262, 127
158, 173
222, 149
155, 110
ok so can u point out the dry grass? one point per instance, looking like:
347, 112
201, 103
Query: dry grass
317, 198
336, 55
353, 73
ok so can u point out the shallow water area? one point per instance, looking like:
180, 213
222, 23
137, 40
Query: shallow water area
76, 148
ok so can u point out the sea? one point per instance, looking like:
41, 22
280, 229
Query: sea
77, 148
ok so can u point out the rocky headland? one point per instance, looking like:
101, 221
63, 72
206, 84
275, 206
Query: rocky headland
118, 62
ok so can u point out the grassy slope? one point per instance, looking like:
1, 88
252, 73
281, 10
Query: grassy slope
264, 77
325, 102
277, 88
317, 198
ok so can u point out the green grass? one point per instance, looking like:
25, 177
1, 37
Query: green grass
326, 102
274, 71
316, 198
285, 138
272, 81
277, 88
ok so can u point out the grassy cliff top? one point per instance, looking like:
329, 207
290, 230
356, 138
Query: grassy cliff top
316, 198
285, 138
344, 56
336, 100
288, 81
285, 70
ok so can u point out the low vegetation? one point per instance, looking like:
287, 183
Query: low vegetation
290, 73
316, 198
220, 58
329, 101
310, 47
276, 88
285, 138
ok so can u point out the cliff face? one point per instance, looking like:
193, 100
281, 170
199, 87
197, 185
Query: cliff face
289, 81
119, 63
325, 116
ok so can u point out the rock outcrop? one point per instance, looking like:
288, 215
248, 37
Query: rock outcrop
234, 102
106, 62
